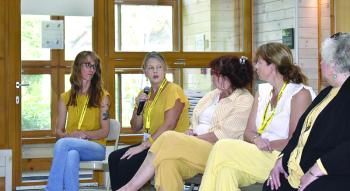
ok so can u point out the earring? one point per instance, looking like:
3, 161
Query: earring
334, 76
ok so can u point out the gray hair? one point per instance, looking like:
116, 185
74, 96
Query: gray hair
336, 52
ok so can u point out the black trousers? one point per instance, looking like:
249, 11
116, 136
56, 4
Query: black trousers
121, 171
324, 183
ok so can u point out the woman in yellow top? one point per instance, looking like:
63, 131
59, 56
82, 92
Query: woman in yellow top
166, 109
82, 137
317, 156
220, 114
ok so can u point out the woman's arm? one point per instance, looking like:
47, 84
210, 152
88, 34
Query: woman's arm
299, 104
171, 117
250, 132
61, 119
210, 137
104, 121
136, 121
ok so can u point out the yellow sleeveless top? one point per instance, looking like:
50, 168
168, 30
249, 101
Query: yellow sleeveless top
166, 101
91, 119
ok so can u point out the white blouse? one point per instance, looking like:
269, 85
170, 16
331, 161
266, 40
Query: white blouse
205, 118
279, 125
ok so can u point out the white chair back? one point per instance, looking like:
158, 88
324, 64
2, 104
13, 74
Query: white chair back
114, 132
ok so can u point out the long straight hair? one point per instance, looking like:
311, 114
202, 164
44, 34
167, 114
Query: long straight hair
95, 89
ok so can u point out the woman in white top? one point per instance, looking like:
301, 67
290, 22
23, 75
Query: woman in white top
276, 110
222, 113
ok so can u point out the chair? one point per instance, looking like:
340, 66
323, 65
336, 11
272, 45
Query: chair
114, 131
194, 182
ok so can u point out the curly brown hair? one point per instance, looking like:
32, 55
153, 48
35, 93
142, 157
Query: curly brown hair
238, 70
95, 91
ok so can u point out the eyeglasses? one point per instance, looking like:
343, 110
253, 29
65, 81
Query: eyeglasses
337, 35
214, 72
89, 65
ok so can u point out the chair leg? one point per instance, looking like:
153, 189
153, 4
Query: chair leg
191, 187
108, 183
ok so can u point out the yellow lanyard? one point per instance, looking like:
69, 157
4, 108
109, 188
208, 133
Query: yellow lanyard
82, 115
148, 112
267, 120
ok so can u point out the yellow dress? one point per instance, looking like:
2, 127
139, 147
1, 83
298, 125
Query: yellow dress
91, 119
166, 101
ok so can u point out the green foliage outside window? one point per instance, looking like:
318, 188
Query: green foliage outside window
36, 99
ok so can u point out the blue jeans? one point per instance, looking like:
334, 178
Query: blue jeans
64, 174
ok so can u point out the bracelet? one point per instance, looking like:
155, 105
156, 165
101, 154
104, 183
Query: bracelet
151, 140
312, 174
254, 137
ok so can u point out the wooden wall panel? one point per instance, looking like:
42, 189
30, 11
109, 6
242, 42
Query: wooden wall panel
2, 183
2, 28
342, 15
3, 129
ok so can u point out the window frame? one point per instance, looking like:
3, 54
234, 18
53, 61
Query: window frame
175, 59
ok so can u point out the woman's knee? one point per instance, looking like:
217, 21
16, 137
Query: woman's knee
167, 135
167, 165
73, 155
61, 143
115, 156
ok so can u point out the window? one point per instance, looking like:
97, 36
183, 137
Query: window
197, 79
36, 109
31, 38
212, 26
78, 35
143, 28
188, 33
46, 70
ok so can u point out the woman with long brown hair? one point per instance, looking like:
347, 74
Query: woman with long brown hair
82, 124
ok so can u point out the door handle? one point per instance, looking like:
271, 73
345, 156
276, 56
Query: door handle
18, 85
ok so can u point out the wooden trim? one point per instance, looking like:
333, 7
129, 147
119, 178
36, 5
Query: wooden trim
176, 26
38, 133
36, 164
13, 71
145, 2
129, 140
38, 140
319, 20
45, 182
2, 183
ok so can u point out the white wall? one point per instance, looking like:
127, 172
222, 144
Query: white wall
271, 16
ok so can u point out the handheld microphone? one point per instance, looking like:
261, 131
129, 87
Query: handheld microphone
142, 103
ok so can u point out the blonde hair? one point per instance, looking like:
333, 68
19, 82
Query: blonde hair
154, 55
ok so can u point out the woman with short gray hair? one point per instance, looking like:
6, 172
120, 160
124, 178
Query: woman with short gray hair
317, 156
